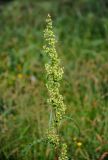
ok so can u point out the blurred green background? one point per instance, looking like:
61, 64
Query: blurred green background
81, 28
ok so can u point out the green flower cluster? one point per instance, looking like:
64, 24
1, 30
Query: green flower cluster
63, 155
54, 74
52, 137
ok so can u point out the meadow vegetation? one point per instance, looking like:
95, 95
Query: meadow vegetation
81, 29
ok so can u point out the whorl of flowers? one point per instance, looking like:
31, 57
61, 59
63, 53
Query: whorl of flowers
54, 74
63, 155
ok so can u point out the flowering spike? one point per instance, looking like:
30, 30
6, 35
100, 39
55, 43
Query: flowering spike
54, 74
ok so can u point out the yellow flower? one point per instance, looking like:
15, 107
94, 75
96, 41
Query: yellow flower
20, 76
79, 144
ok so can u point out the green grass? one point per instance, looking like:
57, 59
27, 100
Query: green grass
82, 46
